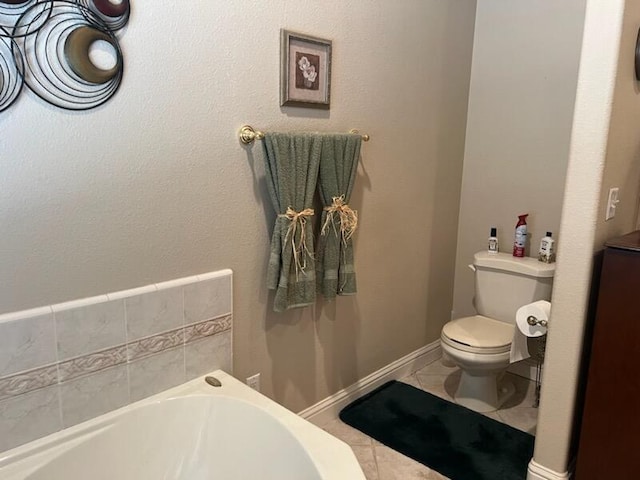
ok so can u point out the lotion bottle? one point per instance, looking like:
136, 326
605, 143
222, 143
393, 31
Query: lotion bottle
547, 253
493, 241
520, 236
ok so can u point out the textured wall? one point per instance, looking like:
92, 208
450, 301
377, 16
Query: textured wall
522, 92
604, 153
154, 185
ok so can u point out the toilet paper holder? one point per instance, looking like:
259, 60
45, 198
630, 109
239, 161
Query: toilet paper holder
533, 321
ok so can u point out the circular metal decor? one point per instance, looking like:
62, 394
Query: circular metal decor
10, 11
114, 15
76, 51
55, 46
11, 70
111, 9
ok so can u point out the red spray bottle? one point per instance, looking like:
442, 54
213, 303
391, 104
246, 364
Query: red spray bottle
521, 236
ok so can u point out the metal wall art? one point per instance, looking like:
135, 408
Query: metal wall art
47, 46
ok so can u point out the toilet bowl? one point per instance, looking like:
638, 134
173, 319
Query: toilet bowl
480, 347
480, 344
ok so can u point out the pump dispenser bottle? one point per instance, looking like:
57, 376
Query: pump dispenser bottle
493, 241
547, 252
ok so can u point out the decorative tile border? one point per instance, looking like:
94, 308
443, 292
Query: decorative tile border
207, 328
93, 362
25, 382
155, 344
28, 381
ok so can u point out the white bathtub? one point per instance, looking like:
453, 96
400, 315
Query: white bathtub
192, 432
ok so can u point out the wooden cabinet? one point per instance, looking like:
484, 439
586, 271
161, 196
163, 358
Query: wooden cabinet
609, 445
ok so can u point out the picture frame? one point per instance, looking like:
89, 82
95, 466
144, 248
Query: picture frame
305, 70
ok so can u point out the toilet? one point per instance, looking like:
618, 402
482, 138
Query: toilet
480, 344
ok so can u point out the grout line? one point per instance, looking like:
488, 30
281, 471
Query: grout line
57, 384
126, 328
375, 458
127, 362
184, 337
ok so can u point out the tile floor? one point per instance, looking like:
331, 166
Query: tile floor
382, 463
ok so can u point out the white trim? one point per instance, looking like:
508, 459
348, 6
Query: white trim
535, 471
328, 409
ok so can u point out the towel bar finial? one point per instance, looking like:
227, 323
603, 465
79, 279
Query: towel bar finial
248, 134
365, 137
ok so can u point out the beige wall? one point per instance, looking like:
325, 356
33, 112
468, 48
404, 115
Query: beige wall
622, 166
154, 185
523, 81
604, 153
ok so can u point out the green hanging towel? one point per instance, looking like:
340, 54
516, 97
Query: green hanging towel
292, 162
338, 164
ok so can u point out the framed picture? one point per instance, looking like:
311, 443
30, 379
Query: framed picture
305, 70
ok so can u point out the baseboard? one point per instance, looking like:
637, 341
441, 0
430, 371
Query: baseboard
535, 471
328, 409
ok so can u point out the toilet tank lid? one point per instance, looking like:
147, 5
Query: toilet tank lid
507, 262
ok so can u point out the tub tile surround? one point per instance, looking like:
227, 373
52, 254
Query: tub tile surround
27, 342
87, 397
84, 329
154, 312
29, 416
66, 363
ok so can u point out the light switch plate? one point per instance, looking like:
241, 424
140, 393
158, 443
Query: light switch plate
612, 203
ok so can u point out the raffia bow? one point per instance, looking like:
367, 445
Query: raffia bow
348, 218
298, 219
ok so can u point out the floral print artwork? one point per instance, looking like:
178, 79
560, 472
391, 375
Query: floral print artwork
307, 71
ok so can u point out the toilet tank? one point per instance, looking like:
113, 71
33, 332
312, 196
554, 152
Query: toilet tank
504, 283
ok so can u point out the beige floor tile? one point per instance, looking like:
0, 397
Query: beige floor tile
411, 380
347, 434
395, 466
367, 460
494, 416
443, 386
525, 392
437, 368
522, 418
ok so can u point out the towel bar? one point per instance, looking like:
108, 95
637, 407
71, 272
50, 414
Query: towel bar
248, 134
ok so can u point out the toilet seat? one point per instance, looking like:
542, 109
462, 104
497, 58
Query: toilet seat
478, 334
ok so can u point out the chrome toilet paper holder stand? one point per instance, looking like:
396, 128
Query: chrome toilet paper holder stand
533, 321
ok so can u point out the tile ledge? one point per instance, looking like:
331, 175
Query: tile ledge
23, 314
132, 292
83, 302
226, 272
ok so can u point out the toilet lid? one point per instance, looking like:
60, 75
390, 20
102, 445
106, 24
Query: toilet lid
480, 332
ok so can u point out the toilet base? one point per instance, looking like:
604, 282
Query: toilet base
483, 393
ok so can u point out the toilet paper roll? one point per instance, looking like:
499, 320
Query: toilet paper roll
540, 310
